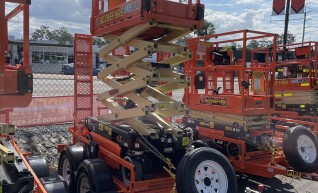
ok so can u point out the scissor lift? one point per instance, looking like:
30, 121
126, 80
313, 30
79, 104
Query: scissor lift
235, 121
135, 140
295, 92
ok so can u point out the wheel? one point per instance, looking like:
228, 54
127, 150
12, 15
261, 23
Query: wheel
84, 185
205, 170
39, 166
94, 175
126, 172
65, 170
301, 149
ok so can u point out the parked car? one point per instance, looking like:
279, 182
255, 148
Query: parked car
68, 69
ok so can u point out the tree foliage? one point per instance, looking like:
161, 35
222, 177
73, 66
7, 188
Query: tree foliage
264, 43
207, 28
61, 35
291, 38
99, 41
41, 33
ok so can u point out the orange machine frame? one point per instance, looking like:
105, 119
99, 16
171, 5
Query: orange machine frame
242, 103
308, 64
307, 53
8, 81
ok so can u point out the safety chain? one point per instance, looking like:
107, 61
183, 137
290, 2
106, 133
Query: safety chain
153, 150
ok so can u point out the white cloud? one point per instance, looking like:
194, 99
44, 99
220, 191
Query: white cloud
227, 15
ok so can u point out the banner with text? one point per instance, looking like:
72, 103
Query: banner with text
48, 110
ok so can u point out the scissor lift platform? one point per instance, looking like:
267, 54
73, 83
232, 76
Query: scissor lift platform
166, 16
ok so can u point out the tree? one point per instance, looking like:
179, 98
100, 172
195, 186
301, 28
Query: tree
40, 34
206, 29
265, 43
291, 38
252, 45
99, 41
61, 35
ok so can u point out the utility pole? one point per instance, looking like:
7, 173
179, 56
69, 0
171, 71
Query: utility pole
304, 27
286, 22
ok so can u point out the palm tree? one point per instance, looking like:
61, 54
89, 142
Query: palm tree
206, 29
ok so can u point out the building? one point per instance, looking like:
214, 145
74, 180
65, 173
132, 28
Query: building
46, 56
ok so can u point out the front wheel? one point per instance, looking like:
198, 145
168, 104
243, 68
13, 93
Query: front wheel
205, 170
301, 149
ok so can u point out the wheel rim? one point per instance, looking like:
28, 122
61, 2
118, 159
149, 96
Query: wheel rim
306, 148
210, 177
66, 171
84, 185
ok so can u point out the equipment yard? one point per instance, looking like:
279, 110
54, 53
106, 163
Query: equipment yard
155, 99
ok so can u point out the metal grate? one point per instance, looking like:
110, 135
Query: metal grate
83, 77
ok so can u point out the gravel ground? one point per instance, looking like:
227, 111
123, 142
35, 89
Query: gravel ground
43, 140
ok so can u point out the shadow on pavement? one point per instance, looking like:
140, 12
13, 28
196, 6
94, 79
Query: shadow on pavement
271, 185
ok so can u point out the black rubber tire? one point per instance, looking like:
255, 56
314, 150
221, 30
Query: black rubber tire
291, 151
138, 170
98, 174
185, 179
71, 183
39, 165
80, 176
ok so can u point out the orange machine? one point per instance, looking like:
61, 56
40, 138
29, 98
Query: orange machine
134, 147
15, 81
295, 85
20, 172
231, 101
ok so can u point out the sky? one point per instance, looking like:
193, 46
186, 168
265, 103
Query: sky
226, 15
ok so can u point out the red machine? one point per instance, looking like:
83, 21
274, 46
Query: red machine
231, 101
15, 81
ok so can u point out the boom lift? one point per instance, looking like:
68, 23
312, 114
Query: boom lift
237, 121
19, 173
135, 148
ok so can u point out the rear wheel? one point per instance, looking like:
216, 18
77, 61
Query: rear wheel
65, 170
84, 185
301, 149
127, 174
205, 170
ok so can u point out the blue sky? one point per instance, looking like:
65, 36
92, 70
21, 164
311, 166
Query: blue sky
227, 15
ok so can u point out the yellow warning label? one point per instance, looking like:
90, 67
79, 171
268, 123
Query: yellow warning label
305, 84
185, 141
0, 189
302, 106
211, 124
278, 95
288, 94
294, 174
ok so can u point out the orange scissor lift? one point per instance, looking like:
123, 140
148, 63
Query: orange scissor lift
134, 148
295, 93
231, 102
